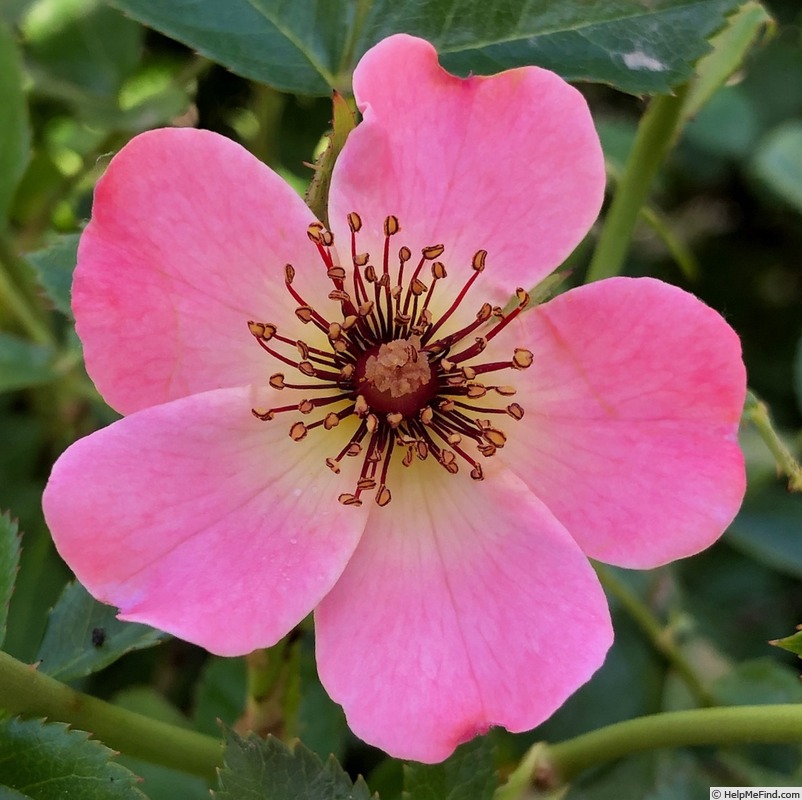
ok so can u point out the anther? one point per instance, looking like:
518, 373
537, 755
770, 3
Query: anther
336, 273
433, 251
331, 420
417, 287
476, 390
426, 415
333, 465
361, 407
327, 238
277, 381
360, 259
523, 297
383, 496
494, 436
404, 254
505, 391
354, 222
439, 270
521, 359
289, 273
298, 431
262, 330
391, 226
304, 313
478, 262
394, 419
314, 232
349, 500
306, 406
307, 368
515, 411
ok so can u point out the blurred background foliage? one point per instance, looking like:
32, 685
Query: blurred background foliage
725, 222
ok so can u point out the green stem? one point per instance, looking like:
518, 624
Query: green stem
656, 133
757, 412
777, 724
658, 635
25, 690
14, 300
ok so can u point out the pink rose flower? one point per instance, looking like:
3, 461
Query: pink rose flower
365, 433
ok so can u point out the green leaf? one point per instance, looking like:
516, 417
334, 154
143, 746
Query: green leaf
297, 46
81, 51
637, 47
320, 721
468, 774
778, 163
54, 267
14, 131
267, 769
761, 681
792, 643
768, 529
729, 48
23, 363
84, 636
50, 762
312, 46
9, 564
221, 694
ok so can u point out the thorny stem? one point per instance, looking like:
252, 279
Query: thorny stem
757, 412
657, 634
25, 690
655, 136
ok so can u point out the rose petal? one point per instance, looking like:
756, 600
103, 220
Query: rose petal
510, 164
188, 241
199, 519
465, 605
632, 410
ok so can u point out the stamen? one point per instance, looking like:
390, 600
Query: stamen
390, 364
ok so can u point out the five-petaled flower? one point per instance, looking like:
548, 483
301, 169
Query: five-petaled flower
364, 420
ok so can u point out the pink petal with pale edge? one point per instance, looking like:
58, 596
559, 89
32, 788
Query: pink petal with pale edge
632, 410
188, 241
199, 519
510, 163
462, 608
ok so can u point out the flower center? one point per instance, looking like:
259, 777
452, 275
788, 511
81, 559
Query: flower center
396, 377
411, 387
